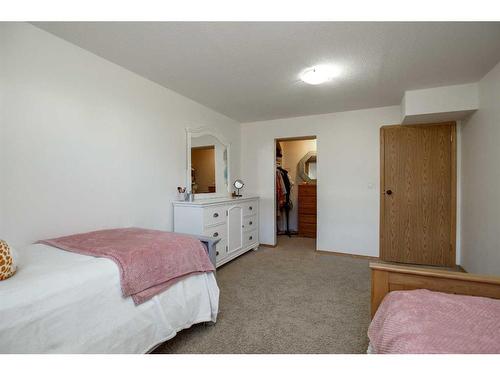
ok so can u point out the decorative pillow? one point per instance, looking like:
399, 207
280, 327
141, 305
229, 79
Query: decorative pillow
7, 261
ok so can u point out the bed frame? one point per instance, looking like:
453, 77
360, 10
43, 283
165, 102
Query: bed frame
389, 277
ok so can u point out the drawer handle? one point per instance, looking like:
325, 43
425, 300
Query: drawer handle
217, 253
216, 234
250, 237
250, 208
216, 215
250, 223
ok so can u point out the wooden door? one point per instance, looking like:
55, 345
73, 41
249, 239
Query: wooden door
418, 194
234, 229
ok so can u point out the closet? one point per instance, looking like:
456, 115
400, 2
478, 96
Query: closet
296, 187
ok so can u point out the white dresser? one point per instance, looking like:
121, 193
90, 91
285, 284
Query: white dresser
234, 220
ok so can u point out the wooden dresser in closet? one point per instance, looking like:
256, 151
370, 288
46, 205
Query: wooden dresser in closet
307, 210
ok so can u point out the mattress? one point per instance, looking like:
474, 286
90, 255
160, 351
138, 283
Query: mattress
62, 302
425, 322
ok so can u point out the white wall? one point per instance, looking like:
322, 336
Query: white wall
348, 174
439, 104
480, 234
86, 144
441, 99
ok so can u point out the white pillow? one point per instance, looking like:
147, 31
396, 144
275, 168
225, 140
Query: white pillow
8, 260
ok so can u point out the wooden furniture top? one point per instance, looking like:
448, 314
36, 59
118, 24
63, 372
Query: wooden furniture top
430, 272
307, 186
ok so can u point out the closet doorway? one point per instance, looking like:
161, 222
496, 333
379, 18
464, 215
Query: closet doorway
295, 187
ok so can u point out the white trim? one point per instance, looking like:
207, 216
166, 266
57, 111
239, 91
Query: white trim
214, 202
275, 203
236, 254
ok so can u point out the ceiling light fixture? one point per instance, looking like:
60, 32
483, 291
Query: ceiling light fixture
318, 74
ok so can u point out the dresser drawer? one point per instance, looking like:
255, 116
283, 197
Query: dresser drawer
250, 238
307, 209
308, 200
218, 231
214, 215
249, 223
307, 190
307, 230
307, 219
220, 250
250, 208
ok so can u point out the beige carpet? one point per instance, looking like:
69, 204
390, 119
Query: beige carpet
289, 299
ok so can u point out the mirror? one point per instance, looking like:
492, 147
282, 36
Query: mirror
203, 169
307, 167
207, 156
238, 184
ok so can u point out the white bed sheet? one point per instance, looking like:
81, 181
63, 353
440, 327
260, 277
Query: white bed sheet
62, 302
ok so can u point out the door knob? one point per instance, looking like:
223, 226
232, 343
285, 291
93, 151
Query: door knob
388, 192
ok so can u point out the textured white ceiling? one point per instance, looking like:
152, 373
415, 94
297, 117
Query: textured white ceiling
249, 70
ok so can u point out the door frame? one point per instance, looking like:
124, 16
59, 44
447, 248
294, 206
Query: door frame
292, 138
453, 192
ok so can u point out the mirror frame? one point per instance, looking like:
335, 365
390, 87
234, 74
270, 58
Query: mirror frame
302, 167
199, 132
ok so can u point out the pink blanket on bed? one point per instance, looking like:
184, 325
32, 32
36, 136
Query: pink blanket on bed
149, 260
421, 321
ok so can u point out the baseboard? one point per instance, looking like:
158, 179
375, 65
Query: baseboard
266, 245
236, 254
367, 257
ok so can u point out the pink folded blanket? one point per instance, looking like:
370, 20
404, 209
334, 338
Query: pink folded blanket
149, 260
421, 321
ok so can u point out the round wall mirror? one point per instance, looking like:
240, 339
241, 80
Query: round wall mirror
238, 184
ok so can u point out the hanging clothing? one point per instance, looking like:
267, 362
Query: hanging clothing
283, 191
288, 185
280, 190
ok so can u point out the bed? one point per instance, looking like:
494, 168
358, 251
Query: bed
63, 302
426, 310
